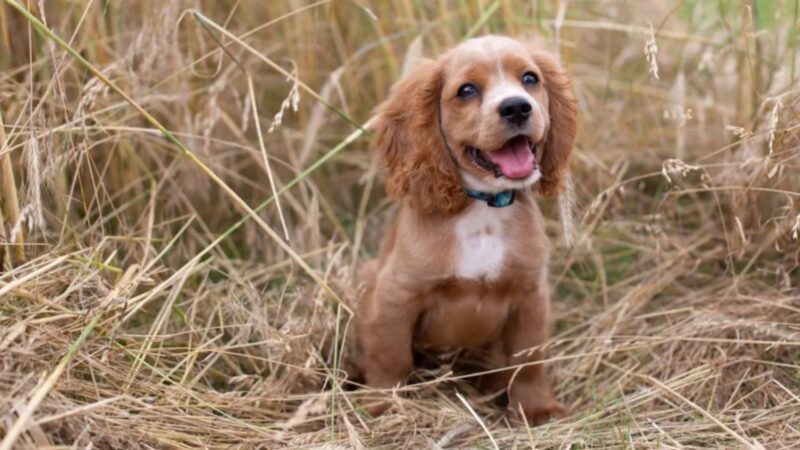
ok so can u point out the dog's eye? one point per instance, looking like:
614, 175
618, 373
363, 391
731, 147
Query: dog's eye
467, 90
530, 78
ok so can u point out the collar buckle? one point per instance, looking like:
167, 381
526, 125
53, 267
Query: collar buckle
498, 200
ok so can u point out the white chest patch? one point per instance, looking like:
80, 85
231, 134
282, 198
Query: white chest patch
481, 247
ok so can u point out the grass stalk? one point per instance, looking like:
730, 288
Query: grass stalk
256, 120
9, 198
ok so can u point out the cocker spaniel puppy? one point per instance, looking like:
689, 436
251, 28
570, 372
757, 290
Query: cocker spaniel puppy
466, 139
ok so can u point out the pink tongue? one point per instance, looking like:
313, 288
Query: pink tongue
515, 158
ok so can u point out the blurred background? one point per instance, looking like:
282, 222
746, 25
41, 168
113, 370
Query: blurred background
192, 324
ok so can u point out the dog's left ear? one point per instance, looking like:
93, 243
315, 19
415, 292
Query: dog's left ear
563, 126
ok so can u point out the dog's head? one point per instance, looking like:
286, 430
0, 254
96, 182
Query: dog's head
491, 114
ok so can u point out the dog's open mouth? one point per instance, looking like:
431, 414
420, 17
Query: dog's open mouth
515, 160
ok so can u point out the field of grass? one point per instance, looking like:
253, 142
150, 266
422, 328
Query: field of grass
155, 292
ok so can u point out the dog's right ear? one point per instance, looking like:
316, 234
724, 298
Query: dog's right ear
563, 112
416, 162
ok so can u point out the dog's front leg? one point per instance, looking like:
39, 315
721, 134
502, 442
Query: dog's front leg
386, 324
529, 389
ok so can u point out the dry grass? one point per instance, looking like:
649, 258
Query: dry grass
147, 299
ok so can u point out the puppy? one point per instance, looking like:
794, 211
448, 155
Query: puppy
464, 139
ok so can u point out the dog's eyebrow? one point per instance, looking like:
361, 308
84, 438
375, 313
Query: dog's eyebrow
474, 74
518, 64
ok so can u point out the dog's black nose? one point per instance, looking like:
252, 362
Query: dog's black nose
515, 110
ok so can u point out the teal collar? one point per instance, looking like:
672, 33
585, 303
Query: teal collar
498, 200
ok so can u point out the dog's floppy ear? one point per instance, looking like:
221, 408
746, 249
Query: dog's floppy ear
563, 112
417, 163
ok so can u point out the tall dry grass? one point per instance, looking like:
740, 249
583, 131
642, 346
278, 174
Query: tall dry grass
147, 298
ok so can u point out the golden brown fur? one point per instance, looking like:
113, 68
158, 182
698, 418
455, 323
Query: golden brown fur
416, 162
453, 272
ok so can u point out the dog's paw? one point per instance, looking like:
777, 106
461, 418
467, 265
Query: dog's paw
376, 408
539, 412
